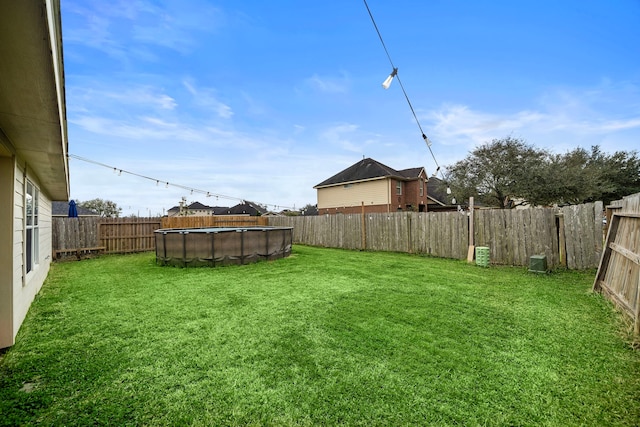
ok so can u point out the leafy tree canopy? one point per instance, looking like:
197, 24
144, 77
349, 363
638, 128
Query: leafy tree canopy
509, 172
105, 208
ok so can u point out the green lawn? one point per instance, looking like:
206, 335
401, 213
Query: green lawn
324, 337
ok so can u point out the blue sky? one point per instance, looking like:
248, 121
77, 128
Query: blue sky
262, 100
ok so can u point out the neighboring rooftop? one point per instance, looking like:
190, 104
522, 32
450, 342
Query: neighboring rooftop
62, 209
367, 169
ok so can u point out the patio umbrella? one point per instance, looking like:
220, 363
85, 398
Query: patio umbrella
73, 210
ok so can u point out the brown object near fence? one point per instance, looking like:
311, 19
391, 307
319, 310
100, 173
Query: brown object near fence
618, 276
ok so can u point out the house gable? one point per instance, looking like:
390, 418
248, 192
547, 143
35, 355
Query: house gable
375, 187
365, 170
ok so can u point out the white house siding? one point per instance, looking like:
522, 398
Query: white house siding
370, 192
7, 227
27, 285
24, 286
33, 146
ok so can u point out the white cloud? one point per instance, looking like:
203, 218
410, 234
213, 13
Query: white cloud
123, 28
328, 84
343, 136
562, 120
206, 97
92, 97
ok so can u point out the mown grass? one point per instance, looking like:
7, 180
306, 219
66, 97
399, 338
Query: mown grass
324, 337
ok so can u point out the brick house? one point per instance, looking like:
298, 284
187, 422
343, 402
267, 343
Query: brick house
375, 187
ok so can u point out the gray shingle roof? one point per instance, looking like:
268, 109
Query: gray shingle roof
367, 169
62, 209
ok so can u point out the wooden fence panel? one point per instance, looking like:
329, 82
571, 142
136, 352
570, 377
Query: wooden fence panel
513, 236
443, 234
214, 221
618, 275
583, 233
387, 232
70, 234
125, 235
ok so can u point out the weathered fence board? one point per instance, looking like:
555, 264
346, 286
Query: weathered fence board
584, 248
443, 234
125, 235
513, 236
73, 236
618, 275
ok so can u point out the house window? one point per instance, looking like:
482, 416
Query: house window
421, 188
348, 185
398, 188
32, 239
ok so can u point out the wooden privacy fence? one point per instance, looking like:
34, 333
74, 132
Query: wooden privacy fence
513, 236
214, 221
439, 234
568, 237
619, 271
74, 236
126, 235
77, 236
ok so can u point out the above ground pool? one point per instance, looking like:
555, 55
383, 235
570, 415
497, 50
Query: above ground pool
196, 247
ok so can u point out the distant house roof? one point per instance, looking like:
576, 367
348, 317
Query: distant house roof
62, 209
245, 208
368, 169
437, 190
215, 210
198, 205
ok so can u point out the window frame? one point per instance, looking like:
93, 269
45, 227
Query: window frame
32, 226
398, 188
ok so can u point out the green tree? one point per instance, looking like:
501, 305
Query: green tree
105, 208
509, 172
504, 173
583, 176
619, 174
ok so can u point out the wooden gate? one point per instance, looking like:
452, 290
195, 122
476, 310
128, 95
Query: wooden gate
619, 273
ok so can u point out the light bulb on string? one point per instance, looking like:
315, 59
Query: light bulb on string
389, 79
426, 140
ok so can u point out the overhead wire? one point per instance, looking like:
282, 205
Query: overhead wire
395, 70
168, 184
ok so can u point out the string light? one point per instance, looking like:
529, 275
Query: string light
167, 183
387, 83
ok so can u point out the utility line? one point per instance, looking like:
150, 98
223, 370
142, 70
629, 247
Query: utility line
167, 183
395, 71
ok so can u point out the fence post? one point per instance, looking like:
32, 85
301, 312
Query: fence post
363, 229
409, 240
562, 243
471, 249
